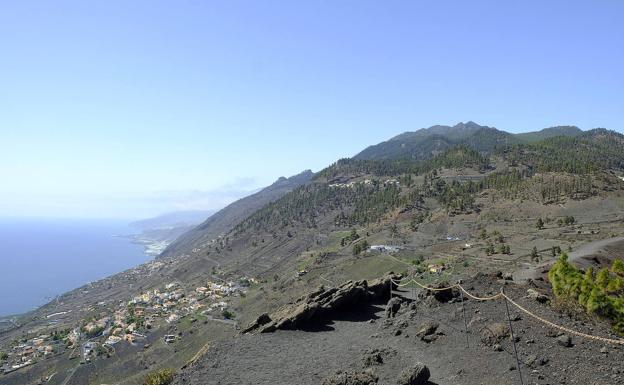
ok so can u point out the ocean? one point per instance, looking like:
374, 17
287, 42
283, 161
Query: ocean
42, 258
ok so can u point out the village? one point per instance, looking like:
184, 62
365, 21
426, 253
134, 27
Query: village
130, 322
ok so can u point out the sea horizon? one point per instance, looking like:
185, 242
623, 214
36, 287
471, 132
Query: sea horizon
42, 258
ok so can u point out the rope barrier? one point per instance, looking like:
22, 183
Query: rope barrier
502, 295
563, 328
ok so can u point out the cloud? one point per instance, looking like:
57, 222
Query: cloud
126, 205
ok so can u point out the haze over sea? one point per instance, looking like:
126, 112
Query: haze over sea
42, 258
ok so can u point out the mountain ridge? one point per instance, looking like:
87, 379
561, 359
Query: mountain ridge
426, 142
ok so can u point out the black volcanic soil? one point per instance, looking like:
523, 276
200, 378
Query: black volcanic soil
307, 357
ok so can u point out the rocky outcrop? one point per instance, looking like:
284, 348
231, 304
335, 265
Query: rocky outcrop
440, 295
321, 303
415, 375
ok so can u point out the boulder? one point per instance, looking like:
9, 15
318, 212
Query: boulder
494, 333
427, 328
376, 356
441, 295
564, 340
414, 375
351, 378
392, 307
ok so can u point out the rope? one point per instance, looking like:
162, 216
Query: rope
505, 296
562, 328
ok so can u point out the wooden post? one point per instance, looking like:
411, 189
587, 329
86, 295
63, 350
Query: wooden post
464, 312
513, 339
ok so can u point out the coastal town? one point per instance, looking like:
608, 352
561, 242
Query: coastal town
129, 322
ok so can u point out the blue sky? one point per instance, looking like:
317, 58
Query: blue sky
131, 108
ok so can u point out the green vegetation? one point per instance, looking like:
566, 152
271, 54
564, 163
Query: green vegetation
227, 314
594, 150
456, 157
539, 224
160, 377
534, 254
352, 237
599, 294
360, 247
566, 221
59, 335
3, 356
358, 191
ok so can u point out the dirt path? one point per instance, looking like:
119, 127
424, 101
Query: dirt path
576, 256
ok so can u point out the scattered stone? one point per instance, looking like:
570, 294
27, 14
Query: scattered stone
386, 323
564, 340
427, 328
476, 320
494, 333
351, 378
497, 348
604, 350
530, 360
402, 324
430, 338
537, 296
508, 277
372, 357
415, 375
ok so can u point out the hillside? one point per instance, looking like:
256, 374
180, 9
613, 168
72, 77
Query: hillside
457, 214
224, 219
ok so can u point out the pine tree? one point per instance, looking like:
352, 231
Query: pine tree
539, 224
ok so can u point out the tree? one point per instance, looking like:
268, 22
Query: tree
227, 314
534, 254
394, 231
360, 247
539, 224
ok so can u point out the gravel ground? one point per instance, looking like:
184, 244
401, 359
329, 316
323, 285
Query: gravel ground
306, 357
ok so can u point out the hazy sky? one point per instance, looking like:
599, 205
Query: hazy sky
131, 108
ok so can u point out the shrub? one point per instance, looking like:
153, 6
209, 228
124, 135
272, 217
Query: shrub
599, 294
160, 377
